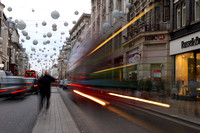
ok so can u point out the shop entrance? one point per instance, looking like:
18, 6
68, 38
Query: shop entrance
187, 73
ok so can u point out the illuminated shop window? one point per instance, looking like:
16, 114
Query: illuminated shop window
184, 68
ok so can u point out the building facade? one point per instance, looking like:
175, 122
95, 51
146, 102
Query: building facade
184, 45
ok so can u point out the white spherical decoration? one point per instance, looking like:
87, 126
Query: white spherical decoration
21, 25
62, 33
16, 20
65, 24
28, 37
116, 13
54, 48
128, 5
74, 22
48, 42
49, 34
44, 35
22, 40
106, 26
121, 13
1, 39
44, 23
54, 41
33, 10
9, 9
24, 33
45, 43
54, 26
76, 12
55, 14
54, 29
35, 42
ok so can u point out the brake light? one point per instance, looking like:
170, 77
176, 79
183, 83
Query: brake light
18, 91
35, 85
26, 75
3, 90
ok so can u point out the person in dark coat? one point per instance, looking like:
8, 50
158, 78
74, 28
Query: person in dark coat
44, 84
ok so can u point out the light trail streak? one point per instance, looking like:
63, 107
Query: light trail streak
123, 28
97, 100
141, 100
114, 68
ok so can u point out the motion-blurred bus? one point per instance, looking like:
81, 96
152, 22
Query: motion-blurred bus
31, 77
31, 74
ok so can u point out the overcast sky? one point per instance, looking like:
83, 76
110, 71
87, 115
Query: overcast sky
23, 10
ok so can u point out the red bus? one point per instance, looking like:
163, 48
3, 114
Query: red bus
31, 74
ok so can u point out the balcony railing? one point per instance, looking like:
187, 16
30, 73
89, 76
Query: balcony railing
135, 30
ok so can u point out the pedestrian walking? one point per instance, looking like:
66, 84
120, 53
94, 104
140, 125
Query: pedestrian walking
44, 84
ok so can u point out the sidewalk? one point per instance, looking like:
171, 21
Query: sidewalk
57, 119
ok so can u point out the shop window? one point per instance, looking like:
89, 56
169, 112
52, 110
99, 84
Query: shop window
184, 68
184, 14
197, 9
178, 13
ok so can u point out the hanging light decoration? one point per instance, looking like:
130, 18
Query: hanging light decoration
54, 29
28, 37
116, 14
128, 5
21, 25
106, 26
44, 35
45, 43
44, 23
54, 49
22, 40
9, 9
74, 22
76, 12
36, 24
24, 33
55, 14
62, 33
54, 26
54, 41
35, 42
49, 34
33, 10
16, 21
65, 24
48, 42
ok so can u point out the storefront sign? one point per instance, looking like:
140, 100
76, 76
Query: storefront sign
192, 42
1, 65
157, 74
155, 37
134, 58
161, 37
185, 44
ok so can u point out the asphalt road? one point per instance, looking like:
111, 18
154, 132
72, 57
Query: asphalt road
18, 115
120, 118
